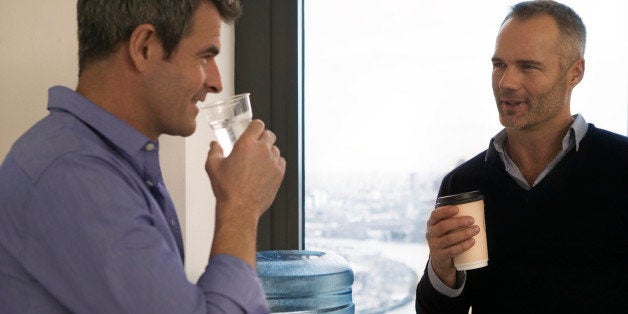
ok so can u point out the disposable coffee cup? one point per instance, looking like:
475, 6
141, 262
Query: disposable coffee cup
470, 204
228, 118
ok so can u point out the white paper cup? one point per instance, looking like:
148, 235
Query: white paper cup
470, 204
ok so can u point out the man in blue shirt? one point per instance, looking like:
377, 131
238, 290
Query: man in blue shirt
86, 223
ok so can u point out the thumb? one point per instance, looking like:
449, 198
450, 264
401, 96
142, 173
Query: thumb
214, 156
215, 150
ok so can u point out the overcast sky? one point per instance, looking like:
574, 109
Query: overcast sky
404, 85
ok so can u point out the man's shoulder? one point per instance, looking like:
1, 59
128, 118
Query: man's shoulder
49, 140
466, 176
604, 137
471, 165
601, 144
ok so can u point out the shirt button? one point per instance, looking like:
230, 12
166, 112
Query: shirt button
150, 147
150, 183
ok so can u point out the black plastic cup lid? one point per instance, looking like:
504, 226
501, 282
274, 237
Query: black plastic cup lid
461, 198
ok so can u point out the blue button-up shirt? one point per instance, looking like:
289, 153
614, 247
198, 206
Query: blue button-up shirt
87, 225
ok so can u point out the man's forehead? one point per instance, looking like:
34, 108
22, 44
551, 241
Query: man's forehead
538, 24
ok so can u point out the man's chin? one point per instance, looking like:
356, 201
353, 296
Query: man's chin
189, 131
183, 132
511, 122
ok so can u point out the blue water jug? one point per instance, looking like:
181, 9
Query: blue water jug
306, 282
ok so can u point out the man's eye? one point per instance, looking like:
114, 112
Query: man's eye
205, 59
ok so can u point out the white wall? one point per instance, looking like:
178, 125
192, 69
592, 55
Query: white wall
38, 49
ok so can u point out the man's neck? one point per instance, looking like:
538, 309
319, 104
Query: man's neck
533, 149
113, 90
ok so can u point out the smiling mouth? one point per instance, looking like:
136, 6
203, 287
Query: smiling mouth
511, 102
195, 104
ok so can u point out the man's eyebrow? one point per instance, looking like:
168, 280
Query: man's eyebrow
529, 62
213, 50
520, 62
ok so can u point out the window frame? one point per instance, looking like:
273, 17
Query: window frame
267, 66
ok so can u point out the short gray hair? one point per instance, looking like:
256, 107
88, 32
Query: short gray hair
569, 22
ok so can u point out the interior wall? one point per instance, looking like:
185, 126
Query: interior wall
38, 49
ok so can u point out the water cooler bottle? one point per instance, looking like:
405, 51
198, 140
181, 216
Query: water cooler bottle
306, 282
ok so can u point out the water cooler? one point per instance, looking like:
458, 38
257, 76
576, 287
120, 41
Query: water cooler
306, 282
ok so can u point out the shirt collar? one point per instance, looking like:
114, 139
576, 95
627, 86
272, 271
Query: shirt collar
579, 128
574, 135
118, 132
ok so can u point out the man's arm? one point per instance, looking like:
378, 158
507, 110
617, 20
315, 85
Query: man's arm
447, 237
430, 298
98, 243
245, 185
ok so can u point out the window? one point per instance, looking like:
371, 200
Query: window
392, 95
396, 94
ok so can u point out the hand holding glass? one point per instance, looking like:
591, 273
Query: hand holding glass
228, 118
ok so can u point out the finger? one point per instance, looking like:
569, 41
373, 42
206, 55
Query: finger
268, 137
453, 238
448, 225
454, 250
214, 155
275, 151
282, 165
215, 150
442, 213
255, 129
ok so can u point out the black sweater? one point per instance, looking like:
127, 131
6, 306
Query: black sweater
561, 247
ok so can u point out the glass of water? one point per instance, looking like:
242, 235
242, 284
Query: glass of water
228, 118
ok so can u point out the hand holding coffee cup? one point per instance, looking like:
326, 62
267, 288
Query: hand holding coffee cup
470, 204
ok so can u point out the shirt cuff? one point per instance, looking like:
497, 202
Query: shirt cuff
229, 283
461, 279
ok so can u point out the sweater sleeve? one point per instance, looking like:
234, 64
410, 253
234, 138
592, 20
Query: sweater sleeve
429, 300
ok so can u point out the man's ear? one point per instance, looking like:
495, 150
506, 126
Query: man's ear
144, 46
576, 73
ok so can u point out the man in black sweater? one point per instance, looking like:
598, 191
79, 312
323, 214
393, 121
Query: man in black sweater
555, 188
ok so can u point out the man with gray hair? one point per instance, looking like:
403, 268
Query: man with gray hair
555, 188
86, 222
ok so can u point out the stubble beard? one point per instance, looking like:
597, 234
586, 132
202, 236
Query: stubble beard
540, 109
